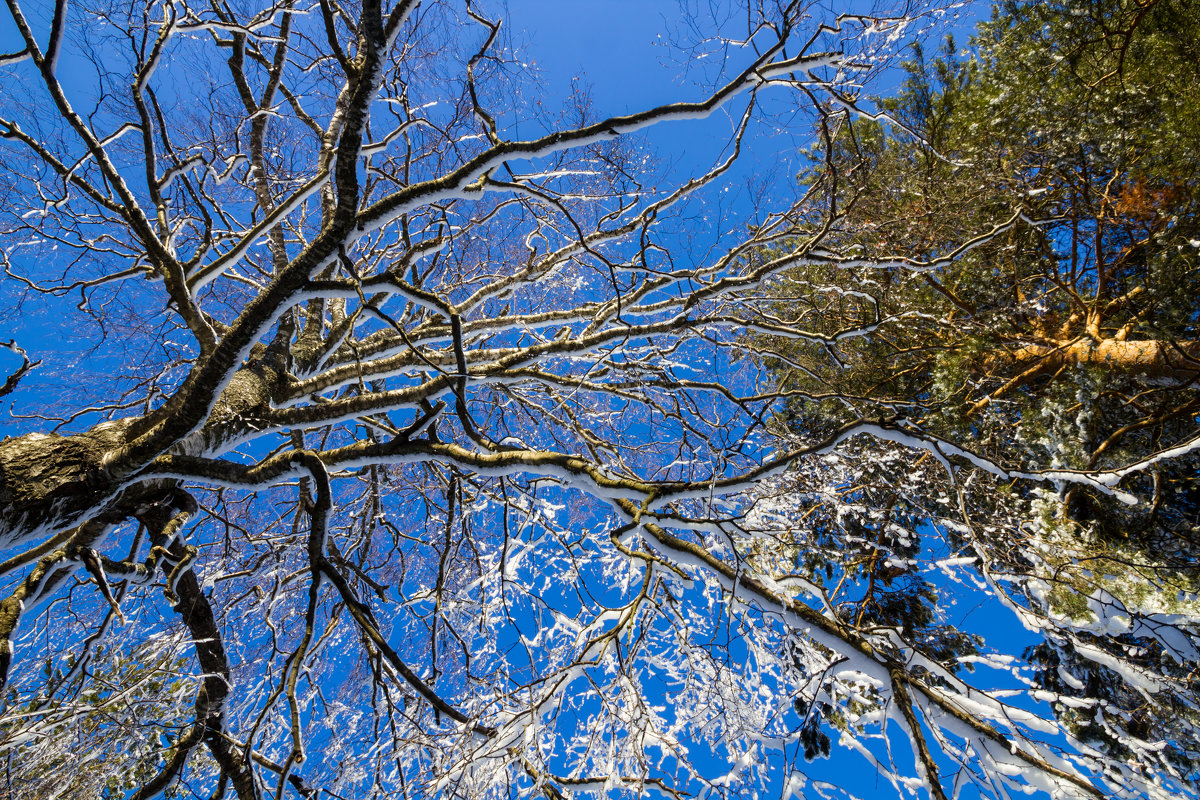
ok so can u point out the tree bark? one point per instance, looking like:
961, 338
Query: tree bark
1152, 358
49, 483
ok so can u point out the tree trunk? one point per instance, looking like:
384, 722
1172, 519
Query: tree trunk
1174, 361
49, 482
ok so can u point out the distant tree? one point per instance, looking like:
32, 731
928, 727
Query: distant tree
386, 433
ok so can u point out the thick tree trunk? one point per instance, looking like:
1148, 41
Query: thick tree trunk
1175, 361
49, 483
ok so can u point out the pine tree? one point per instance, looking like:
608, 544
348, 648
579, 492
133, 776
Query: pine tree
1069, 341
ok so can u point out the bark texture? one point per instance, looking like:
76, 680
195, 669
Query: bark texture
1153, 358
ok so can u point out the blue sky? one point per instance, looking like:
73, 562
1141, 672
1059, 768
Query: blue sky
611, 47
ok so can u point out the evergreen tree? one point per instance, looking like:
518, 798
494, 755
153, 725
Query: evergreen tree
1068, 341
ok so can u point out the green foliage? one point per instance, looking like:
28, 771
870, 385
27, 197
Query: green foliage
1083, 117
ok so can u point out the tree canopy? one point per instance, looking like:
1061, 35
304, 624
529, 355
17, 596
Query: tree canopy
386, 426
1043, 188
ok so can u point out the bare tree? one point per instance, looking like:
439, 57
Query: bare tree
404, 459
